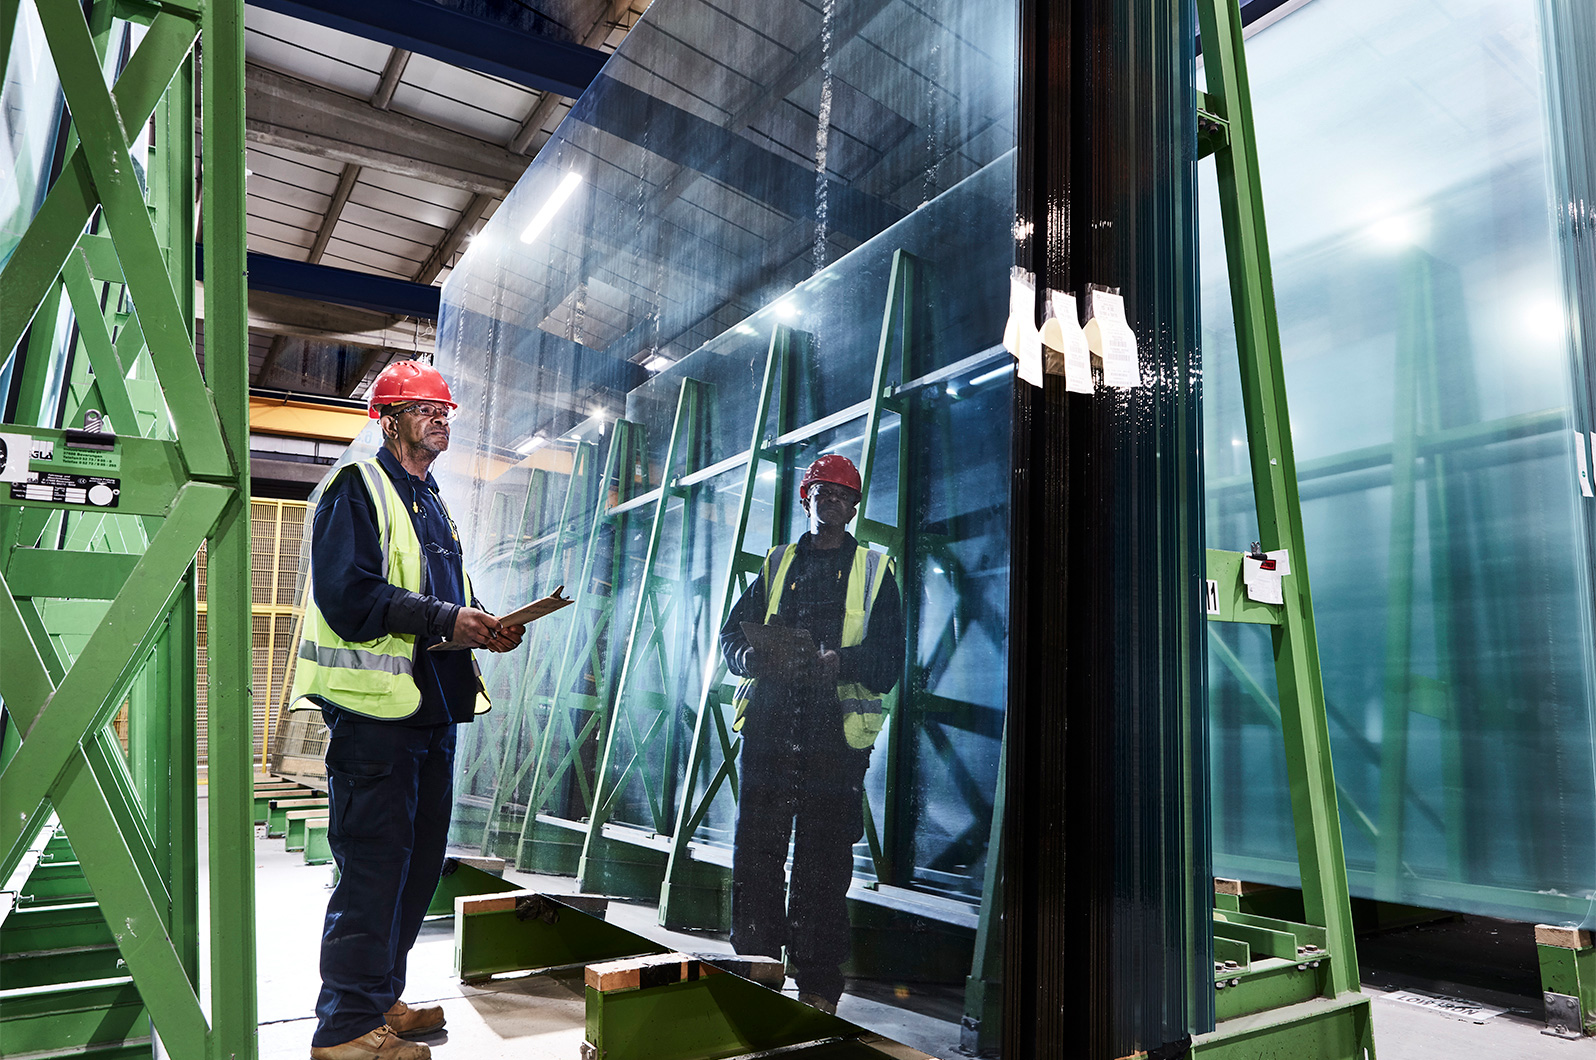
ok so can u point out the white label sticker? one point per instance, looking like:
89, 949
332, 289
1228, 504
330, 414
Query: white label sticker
1112, 340
1282, 561
1584, 465
15, 452
1262, 578
1071, 342
1213, 597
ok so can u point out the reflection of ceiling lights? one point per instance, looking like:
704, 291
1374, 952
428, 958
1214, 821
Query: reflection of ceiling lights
1398, 230
551, 206
1543, 318
786, 309
1003, 369
658, 363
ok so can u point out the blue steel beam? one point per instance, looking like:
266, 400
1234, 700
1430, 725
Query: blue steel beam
325, 283
487, 45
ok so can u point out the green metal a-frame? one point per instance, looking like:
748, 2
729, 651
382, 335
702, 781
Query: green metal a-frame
1284, 988
134, 460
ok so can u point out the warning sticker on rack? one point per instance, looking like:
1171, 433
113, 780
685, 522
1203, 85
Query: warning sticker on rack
50, 487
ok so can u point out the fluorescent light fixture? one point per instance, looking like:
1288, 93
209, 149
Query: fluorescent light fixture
787, 309
986, 377
551, 206
658, 363
537, 441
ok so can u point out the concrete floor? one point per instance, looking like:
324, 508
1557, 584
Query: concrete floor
541, 1017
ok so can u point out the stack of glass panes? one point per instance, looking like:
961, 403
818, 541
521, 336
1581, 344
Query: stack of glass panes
1412, 164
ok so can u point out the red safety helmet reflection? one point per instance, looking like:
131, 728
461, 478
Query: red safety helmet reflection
405, 381
834, 468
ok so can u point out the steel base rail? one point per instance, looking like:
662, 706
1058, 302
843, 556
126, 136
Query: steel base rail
1284, 988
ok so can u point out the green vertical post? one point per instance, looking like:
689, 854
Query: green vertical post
691, 405
1320, 856
741, 567
229, 703
897, 337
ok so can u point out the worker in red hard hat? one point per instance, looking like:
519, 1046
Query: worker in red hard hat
387, 583
404, 382
818, 640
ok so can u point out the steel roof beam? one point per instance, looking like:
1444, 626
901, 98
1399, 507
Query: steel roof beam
343, 287
286, 112
486, 45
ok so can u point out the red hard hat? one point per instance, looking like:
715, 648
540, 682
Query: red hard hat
405, 381
834, 468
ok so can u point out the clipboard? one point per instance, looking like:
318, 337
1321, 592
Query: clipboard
521, 616
773, 642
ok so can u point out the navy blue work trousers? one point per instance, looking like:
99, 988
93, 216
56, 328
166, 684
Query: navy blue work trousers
391, 789
800, 781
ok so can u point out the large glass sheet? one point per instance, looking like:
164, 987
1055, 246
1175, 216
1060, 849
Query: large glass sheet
30, 115
1408, 170
767, 233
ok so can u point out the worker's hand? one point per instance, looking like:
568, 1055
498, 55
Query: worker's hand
506, 638
829, 663
777, 666
476, 628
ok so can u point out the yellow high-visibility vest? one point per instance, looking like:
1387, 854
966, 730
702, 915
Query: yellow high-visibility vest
374, 678
862, 716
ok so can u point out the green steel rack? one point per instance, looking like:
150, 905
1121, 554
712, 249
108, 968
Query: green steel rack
139, 462
1284, 988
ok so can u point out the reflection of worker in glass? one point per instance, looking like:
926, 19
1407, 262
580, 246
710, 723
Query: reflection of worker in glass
809, 711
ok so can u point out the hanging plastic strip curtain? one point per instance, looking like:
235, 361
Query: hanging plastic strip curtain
766, 233
1427, 185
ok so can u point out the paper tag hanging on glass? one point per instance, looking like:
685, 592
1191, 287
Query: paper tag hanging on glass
1584, 467
1021, 336
1262, 580
1068, 354
1111, 339
1593, 449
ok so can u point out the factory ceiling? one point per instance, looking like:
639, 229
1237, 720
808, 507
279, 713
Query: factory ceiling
368, 158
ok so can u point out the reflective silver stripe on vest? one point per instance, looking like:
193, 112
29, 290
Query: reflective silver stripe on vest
379, 501
353, 659
862, 706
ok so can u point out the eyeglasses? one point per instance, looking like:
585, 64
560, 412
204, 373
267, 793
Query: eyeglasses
825, 491
430, 412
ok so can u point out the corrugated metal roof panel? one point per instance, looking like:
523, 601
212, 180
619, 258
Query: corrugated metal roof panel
418, 190
400, 204
346, 255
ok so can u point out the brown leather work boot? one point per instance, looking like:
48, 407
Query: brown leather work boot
410, 1019
380, 1044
